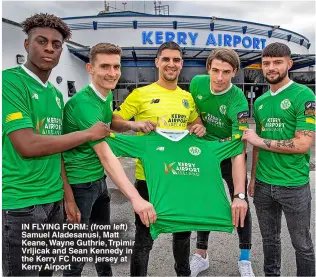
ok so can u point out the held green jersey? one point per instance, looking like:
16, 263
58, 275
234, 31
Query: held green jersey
178, 169
223, 114
278, 116
84, 109
29, 103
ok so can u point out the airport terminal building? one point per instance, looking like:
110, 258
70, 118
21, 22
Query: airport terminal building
141, 34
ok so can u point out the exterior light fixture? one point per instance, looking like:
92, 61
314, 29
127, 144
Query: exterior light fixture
20, 59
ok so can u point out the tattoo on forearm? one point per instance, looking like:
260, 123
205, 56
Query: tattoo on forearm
267, 142
306, 133
285, 143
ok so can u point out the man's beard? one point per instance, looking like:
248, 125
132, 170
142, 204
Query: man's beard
170, 79
279, 79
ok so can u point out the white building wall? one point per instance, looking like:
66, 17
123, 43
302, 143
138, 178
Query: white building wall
70, 68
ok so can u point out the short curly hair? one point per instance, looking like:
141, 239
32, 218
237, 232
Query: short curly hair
45, 20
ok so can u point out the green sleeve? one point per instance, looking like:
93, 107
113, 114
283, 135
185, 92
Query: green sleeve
238, 113
15, 110
305, 110
128, 146
85, 115
225, 149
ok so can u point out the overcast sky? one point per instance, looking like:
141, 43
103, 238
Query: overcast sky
297, 16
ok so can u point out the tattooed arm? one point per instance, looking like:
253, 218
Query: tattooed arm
300, 144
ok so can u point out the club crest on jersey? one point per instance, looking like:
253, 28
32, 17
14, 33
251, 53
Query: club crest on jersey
195, 151
222, 109
285, 104
58, 102
185, 103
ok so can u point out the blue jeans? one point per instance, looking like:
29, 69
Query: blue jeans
244, 233
295, 202
12, 233
93, 201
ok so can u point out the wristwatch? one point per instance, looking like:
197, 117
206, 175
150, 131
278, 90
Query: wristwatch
240, 196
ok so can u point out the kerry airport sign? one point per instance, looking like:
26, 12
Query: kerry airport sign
211, 39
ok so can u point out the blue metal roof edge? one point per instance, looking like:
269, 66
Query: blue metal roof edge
178, 16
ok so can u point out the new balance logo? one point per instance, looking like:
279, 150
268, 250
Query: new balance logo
155, 101
160, 148
260, 107
35, 96
200, 97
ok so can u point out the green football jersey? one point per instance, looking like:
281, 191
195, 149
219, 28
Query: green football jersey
223, 114
277, 117
28, 103
178, 169
84, 109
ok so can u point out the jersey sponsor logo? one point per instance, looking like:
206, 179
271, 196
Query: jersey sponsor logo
309, 108
200, 97
58, 102
35, 96
182, 168
260, 107
169, 167
195, 151
155, 101
173, 120
160, 148
223, 109
285, 104
13, 116
212, 119
49, 126
243, 117
273, 124
185, 103
225, 139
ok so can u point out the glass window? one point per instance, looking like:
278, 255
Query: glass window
146, 74
239, 78
254, 76
128, 75
187, 73
303, 77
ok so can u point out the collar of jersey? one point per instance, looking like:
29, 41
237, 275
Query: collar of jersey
99, 94
281, 88
173, 135
222, 92
29, 72
163, 88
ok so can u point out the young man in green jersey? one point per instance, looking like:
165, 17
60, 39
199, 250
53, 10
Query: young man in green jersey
285, 125
224, 112
32, 187
85, 164
166, 105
